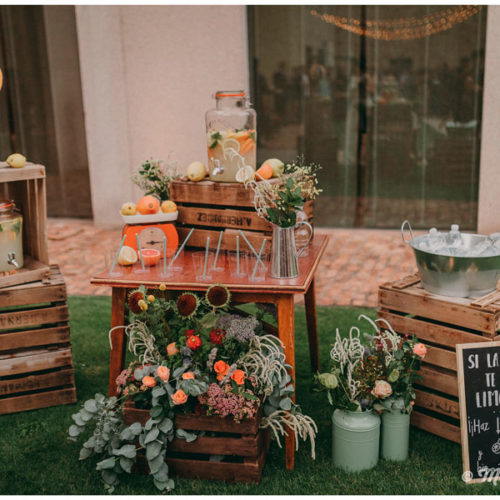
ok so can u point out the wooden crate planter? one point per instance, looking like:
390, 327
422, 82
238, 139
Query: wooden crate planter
36, 365
441, 323
243, 444
214, 206
26, 186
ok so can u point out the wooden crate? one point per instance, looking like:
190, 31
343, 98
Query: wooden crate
214, 206
441, 323
243, 444
36, 365
26, 186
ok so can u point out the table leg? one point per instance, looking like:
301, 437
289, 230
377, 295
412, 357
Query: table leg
118, 343
312, 327
286, 333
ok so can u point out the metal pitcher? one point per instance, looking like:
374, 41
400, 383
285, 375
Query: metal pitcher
284, 262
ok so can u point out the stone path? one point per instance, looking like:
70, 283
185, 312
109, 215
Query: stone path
355, 263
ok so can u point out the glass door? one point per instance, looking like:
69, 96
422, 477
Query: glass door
387, 98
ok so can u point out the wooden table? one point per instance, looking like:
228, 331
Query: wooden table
273, 291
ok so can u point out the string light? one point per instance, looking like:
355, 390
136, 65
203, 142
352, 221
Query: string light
410, 28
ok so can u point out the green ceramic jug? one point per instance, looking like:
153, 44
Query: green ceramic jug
395, 435
355, 439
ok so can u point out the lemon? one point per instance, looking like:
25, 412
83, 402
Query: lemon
231, 144
127, 257
129, 208
168, 206
16, 160
245, 174
196, 171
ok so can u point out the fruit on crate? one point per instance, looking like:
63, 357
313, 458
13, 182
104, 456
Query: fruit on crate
148, 205
16, 160
265, 172
127, 256
129, 208
168, 206
277, 165
196, 171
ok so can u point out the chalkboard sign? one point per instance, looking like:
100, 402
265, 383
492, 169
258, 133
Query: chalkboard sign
479, 392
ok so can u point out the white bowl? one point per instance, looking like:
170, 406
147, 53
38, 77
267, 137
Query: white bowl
150, 218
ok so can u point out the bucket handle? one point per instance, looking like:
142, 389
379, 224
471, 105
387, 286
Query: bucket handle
403, 231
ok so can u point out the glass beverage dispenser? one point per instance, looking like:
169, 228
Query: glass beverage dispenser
231, 137
11, 237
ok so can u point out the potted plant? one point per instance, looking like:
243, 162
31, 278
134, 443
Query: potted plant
194, 362
279, 204
400, 358
349, 385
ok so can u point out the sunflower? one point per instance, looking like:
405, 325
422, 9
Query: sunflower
187, 304
133, 302
218, 296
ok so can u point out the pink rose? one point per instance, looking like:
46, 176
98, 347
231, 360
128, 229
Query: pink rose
163, 372
382, 389
420, 349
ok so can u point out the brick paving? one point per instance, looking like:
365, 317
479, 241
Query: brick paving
355, 263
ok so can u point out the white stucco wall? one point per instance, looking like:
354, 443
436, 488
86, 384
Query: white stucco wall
148, 75
489, 176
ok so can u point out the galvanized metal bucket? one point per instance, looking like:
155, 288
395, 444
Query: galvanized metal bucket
284, 263
451, 275
395, 435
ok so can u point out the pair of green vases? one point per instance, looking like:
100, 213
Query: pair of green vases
360, 438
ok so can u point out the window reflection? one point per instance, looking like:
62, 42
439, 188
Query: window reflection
394, 120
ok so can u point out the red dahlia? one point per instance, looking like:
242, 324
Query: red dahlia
217, 336
189, 332
193, 342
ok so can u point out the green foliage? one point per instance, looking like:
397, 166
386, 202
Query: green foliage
154, 178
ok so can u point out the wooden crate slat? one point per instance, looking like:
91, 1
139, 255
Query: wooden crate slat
35, 295
439, 380
36, 382
33, 270
245, 446
37, 400
437, 403
435, 426
441, 357
32, 317
438, 334
34, 338
487, 300
29, 362
418, 302
30, 171
222, 217
205, 423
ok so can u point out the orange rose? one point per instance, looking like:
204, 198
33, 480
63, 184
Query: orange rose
179, 397
172, 349
163, 372
188, 376
148, 381
221, 368
238, 376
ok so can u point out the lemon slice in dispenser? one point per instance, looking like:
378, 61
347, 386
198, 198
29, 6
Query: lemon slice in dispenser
245, 174
231, 144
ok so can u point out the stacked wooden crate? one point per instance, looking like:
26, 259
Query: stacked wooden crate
214, 206
26, 186
441, 323
36, 366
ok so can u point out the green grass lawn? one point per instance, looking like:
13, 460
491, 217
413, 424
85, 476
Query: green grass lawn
36, 457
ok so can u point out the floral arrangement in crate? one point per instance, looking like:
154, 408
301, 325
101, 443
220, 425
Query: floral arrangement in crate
192, 356
278, 203
378, 373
